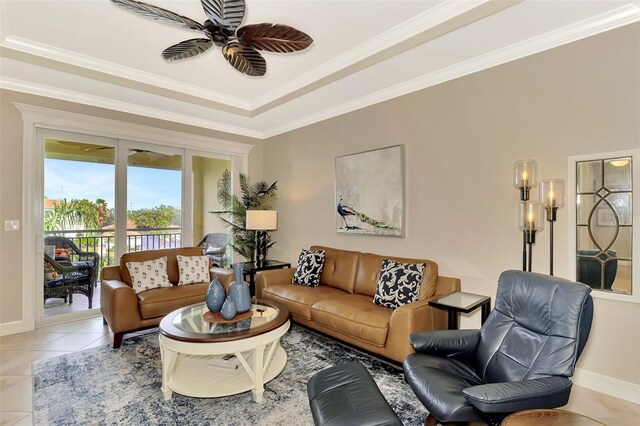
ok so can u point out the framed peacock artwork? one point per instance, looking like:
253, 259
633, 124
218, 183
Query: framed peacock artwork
370, 192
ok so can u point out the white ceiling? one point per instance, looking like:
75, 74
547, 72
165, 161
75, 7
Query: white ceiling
364, 52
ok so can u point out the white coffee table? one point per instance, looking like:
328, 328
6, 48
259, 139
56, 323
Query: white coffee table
189, 344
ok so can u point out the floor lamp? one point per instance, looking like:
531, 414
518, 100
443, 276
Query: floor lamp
525, 177
552, 197
530, 221
262, 221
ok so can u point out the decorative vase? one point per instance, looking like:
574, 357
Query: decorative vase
239, 291
215, 295
228, 309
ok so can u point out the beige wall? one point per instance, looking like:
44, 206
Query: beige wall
11, 181
461, 139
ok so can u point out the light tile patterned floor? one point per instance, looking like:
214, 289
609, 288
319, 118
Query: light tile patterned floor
18, 351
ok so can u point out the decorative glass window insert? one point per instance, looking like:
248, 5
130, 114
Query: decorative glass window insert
604, 224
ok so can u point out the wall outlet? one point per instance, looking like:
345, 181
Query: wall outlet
11, 225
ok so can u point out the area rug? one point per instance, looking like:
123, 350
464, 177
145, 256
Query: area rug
103, 386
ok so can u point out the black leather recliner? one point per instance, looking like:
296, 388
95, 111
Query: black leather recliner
521, 358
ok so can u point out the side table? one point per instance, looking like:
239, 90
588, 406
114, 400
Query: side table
547, 417
251, 268
459, 301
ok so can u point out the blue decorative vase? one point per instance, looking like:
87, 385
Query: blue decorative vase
228, 309
215, 295
239, 291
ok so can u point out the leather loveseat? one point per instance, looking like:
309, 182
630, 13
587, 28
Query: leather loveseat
342, 305
125, 311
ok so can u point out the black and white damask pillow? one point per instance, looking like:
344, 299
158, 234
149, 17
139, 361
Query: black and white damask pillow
309, 268
399, 283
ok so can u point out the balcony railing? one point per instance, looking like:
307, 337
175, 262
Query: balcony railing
103, 241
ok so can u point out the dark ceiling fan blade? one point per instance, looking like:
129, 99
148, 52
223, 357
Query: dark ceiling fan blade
159, 14
187, 49
225, 13
245, 59
274, 37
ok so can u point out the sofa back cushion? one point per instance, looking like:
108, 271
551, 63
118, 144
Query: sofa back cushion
369, 274
340, 267
172, 261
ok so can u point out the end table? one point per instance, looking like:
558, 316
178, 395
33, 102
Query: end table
251, 268
459, 301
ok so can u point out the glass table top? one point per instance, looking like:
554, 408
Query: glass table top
191, 320
461, 300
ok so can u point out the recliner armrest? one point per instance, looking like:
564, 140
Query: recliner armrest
509, 397
458, 344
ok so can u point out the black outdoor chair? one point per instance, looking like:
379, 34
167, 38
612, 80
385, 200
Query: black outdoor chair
215, 246
522, 358
77, 273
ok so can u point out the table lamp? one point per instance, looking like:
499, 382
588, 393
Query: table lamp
262, 221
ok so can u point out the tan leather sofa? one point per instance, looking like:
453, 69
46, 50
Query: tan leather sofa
125, 311
342, 305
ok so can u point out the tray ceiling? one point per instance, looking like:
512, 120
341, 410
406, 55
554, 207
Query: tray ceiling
364, 52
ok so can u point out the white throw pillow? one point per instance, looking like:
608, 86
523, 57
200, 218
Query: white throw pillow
193, 269
149, 274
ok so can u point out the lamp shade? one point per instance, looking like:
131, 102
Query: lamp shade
262, 220
531, 216
552, 193
525, 174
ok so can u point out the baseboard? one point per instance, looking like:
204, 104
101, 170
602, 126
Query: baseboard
10, 328
607, 385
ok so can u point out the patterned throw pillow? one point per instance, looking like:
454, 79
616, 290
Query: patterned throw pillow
193, 269
309, 268
149, 274
399, 283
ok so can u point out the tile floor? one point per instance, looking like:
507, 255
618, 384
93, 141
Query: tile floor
18, 351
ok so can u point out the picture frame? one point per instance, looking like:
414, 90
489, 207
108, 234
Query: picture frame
369, 192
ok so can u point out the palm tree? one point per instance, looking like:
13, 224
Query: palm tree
102, 211
259, 196
69, 214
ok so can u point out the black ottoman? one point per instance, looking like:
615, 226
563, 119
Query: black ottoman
347, 395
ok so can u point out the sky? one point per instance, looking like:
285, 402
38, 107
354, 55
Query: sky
147, 187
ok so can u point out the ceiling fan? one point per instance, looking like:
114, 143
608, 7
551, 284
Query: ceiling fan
240, 46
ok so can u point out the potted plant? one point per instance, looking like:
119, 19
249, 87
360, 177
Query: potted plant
257, 196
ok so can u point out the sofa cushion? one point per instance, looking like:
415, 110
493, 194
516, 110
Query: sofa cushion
159, 302
298, 299
339, 269
399, 283
193, 269
149, 274
172, 262
355, 316
369, 273
309, 268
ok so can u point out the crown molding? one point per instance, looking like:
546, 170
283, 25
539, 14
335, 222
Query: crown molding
70, 121
605, 22
41, 50
127, 107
